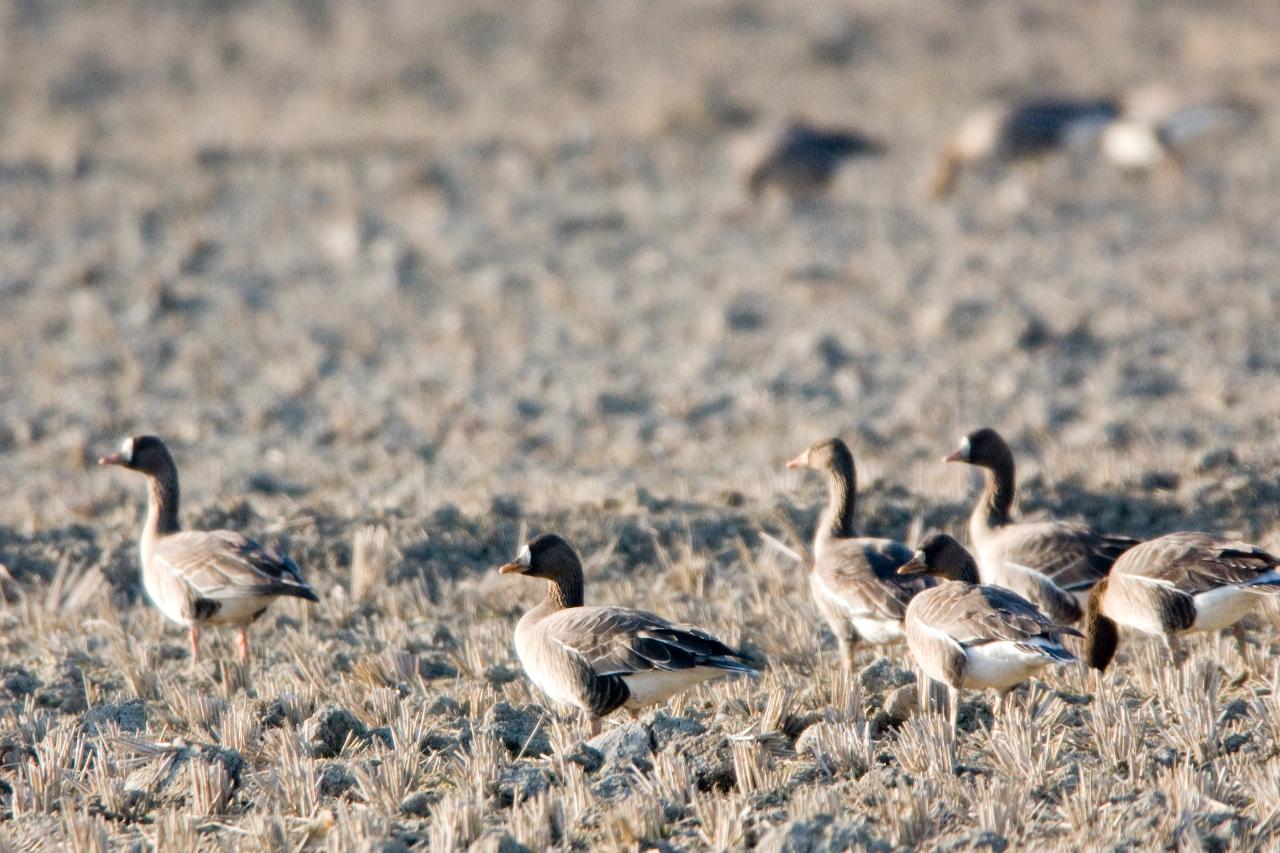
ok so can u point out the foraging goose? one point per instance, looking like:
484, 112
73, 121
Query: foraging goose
802, 160
854, 579
966, 634
1176, 584
602, 658
199, 578
1019, 131
1051, 563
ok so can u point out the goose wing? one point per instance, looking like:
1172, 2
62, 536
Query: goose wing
621, 641
222, 564
975, 614
1197, 562
1072, 555
863, 573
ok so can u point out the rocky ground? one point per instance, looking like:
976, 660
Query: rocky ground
413, 283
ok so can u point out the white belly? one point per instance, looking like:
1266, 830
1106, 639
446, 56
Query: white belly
837, 609
238, 611
1000, 665
169, 605
656, 686
1222, 607
878, 630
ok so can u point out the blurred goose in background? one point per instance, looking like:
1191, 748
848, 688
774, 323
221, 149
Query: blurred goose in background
1155, 132
1019, 131
1175, 584
600, 658
199, 578
966, 635
854, 580
802, 159
1051, 563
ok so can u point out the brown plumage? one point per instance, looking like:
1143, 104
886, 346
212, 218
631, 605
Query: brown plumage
965, 634
1051, 563
601, 658
199, 578
854, 580
1176, 584
803, 158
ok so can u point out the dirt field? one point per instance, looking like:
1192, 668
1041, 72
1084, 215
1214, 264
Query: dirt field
458, 273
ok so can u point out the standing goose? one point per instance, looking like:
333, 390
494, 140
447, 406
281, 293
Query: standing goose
1051, 563
603, 658
1020, 131
854, 579
802, 160
966, 634
199, 578
1175, 584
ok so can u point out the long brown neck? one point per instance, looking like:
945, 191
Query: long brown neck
842, 488
995, 508
565, 591
1101, 637
162, 502
963, 569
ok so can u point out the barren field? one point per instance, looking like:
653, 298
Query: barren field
434, 278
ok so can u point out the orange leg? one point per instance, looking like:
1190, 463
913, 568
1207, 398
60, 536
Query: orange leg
193, 634
242, 644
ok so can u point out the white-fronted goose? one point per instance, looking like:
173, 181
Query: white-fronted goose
854, 579
966, 634
803, 158
1175, 584
601, 658
1051, 563
1016, 131
198, 578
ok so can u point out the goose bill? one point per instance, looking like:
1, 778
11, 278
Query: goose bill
960, 454
914, 566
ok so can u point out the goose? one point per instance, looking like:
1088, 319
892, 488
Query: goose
803, 158
1161, 135
1176, 584
197, 578
854, 580
966, 634
601, 658
1020, 131
1051, 563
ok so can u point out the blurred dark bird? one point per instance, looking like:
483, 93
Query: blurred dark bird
196, 577
802, 159
1018, 131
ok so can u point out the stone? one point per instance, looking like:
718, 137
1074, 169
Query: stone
518, 729
328, 729
128, 716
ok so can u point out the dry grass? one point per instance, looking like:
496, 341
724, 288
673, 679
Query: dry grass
401, 288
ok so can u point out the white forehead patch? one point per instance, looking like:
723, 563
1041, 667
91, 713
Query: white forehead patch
126, 449
965, 447
524, 558
920, 556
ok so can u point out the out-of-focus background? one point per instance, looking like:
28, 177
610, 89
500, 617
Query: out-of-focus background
397, 255
491, 266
